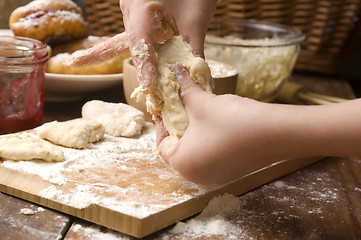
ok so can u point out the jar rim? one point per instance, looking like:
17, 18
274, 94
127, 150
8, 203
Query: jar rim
22, 50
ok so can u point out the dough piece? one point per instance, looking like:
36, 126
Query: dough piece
41, 5
165, 100
26, 146
76, 133
51, 21
119, 119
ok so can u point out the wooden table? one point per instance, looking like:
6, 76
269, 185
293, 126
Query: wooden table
321, 201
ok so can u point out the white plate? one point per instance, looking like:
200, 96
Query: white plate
6, 32
69, 87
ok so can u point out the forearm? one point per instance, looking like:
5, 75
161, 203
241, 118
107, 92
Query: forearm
273, 132
327, 130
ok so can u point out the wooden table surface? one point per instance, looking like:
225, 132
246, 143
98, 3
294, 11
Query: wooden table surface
321, 201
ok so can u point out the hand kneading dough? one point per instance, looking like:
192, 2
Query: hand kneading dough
119, 119
76, 133
26, 146
165, 100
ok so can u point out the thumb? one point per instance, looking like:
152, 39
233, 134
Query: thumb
188, 87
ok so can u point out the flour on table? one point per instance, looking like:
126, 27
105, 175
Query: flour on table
27, 211
279, 184
27, 146
75, 133
94, 232
118, 173
118, 119
213, 220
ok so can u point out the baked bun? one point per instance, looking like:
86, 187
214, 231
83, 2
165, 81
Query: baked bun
51, 21
61, 54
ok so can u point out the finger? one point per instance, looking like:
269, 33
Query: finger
161, 131
165, 27
187, 86
194, 28
108, 49
197, 44
143, 33
143, 55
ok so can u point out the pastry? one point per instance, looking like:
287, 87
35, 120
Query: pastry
58, 64
51, 21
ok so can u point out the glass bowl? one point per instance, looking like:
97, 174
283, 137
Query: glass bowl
263, 53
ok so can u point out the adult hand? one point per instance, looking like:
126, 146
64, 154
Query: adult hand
148, 22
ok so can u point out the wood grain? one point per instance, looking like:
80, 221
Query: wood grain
319, 202
44, 224
29, 187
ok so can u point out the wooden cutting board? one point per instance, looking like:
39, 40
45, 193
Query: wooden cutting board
120, 184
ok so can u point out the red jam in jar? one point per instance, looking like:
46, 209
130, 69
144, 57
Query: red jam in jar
22, 76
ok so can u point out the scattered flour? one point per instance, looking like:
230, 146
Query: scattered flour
213, 220
40, 209
279, 184
27, 211
119, 173
272, 208
95, 232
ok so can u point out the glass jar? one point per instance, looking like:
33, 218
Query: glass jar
22, 74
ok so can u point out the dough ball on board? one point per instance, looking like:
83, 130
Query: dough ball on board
76, 133
27, 146
118, 119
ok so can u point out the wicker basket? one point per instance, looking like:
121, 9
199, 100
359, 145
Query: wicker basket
332, 27
104, 17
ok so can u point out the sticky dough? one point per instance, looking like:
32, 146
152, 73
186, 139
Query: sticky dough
165, 100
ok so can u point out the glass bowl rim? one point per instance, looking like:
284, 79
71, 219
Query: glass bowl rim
296, 36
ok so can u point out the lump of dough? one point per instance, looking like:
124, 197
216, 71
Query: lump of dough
26, 146
165, 101
76, 133
118, 119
